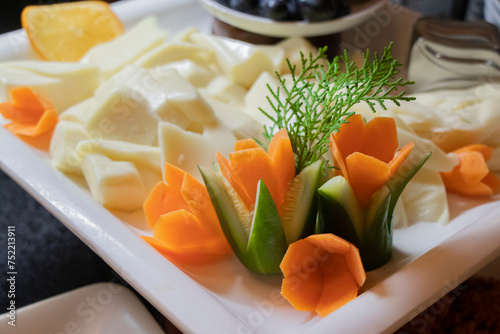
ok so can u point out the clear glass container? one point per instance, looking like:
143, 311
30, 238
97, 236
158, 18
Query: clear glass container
448, 54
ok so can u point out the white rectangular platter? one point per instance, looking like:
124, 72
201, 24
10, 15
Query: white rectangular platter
429, 260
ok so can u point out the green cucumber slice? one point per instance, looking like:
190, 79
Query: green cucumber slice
267, 244
259, 248
339, 210
300, 203
376, 247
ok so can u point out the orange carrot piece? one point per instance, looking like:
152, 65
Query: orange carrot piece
174, 176
485, 150
251, 165
339, 286
321, 273
184, 234
349, 137
184, 257
380, 138
228, 174
400, 157
196, 196
244, 144
19, 114
40, 142
472, 167
471, 177
25, 97
365, 154
367, 174
161, 200
281, 152
492, 182
46, 123
310, 281
338, 158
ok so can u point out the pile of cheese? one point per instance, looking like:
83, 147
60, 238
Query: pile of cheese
145, 98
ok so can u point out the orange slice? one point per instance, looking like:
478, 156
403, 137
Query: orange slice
66, 31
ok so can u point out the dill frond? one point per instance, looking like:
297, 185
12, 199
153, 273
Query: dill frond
320, 97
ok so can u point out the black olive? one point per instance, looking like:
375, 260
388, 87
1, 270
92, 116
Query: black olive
278, 10
320, 10
245, 6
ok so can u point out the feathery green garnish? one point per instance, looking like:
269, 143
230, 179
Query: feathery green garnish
320, 98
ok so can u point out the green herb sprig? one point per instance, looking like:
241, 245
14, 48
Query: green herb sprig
321, 95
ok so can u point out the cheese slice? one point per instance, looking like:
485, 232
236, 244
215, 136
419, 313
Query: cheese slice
79, 112
114, 184
126, 48
64, 84
196, 75
124, 115
175, 51
187, 150
242, 62
63, 145
140, 155
425, 198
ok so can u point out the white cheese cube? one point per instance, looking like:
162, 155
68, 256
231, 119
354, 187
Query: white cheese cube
242, 62
63, 145
124, 115
114, 184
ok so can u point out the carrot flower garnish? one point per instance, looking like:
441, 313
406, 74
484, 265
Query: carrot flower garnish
358, 204
472, 177
366, 154
261, 204
30, 113
184, 223
321, 273
250, 163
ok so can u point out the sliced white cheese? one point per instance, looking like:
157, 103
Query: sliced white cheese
175, 51
126, 48
460, 117
439, 160
242, 125
242, 62
425, 198
178, 100
124, 115
187, 150
165, 93
196, 75
114, 184
64, 84
257, 98
63, 145
293, 47
79, 112
122, 151
222, 89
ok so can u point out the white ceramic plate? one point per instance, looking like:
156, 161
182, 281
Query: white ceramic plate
96, 308
429, 260
268, 27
